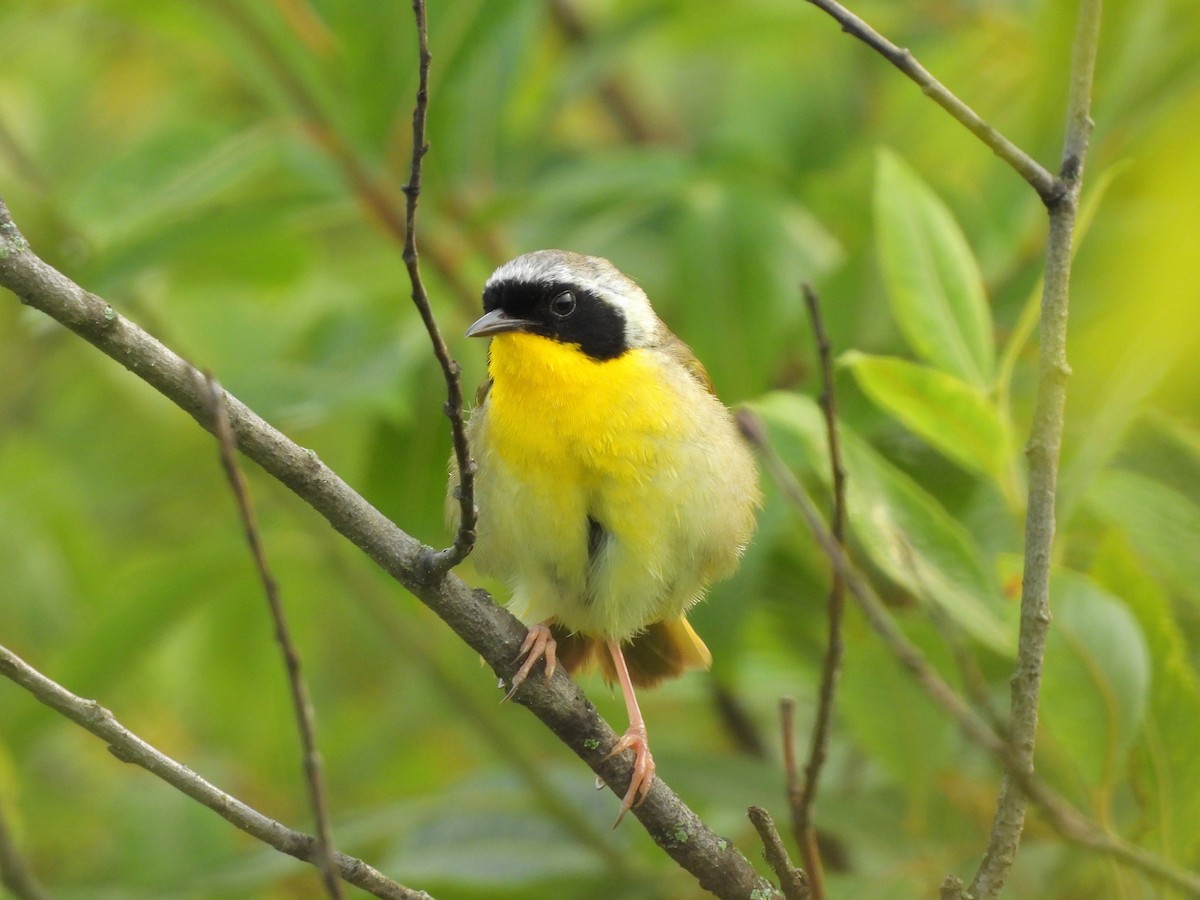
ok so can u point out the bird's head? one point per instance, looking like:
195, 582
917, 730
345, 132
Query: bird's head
567, 297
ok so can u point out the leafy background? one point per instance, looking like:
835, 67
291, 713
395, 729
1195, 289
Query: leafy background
159, 154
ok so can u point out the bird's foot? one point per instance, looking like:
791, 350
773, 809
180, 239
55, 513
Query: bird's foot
643, 768
539, 643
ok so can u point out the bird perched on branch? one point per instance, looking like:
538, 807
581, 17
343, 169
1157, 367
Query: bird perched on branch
613, 486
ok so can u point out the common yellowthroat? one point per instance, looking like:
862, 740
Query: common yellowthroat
613, 486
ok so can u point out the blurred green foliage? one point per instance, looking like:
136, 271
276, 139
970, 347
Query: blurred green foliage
176, 159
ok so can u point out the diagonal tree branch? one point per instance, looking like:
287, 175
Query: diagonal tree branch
1047, 186
489, 629
128, 747
399, 221
390, 618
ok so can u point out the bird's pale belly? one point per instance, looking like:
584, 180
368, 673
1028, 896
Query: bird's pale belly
600, 559
588, 496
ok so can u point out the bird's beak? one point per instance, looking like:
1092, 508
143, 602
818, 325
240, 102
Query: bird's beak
497, 322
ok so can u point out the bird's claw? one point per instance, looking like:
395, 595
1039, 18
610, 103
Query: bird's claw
643, 769
539, 643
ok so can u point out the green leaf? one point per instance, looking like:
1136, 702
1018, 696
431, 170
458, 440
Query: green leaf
874, 686
1095, 679
902, 528
1147, 358
933, 280
1168, 765
1163, 525
955, 418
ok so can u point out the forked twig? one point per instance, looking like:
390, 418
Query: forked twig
1049, 188
791, 880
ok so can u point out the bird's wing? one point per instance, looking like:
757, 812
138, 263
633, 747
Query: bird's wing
682, 354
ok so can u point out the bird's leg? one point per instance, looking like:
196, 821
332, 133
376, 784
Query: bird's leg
538, 643
633, 739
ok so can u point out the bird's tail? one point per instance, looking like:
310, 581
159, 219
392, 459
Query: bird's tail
662, 650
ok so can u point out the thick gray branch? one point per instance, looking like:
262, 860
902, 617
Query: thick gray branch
488, 629
128, 747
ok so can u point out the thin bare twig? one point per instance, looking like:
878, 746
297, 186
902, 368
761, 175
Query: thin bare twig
1049, 188
486, 627
439, 563
791, 879
128, 747
791, 771
301, 703
802, 803
805, 836
1071, 824
15, 873
1042, 451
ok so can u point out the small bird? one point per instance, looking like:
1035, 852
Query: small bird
613, 486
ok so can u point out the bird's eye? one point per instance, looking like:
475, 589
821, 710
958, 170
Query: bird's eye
563, 305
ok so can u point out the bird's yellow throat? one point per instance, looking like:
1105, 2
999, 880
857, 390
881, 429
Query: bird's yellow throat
554, 407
